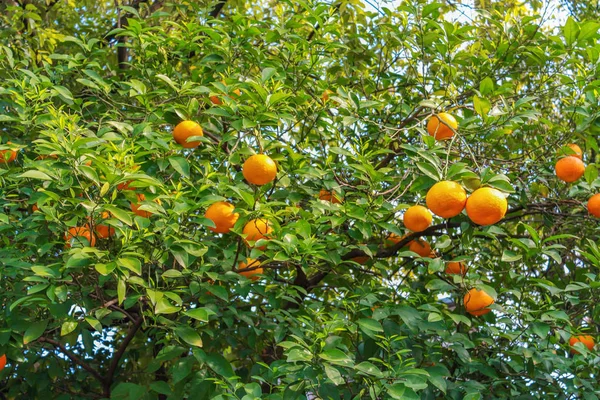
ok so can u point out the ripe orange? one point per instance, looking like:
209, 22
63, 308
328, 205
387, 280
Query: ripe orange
446, 199
2, 361
420, 247
477, 302
79, 232
417, 218
185, 130
575, 148
259, 169
34, 208
569, 169
593, 205
221, 213
105, 231
329, 196
443, 130
250, 263
486, 206
587, 340
255, 230
455, 267
135, 207
6, 158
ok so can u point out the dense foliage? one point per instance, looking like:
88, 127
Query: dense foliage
339, 95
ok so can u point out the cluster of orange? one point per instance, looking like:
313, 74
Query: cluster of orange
485, 206
570, 169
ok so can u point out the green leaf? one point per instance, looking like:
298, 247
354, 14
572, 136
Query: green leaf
337, 357
201, 314
401, 392
163, 306
486, 86
333, 374
120, 214
369, 325
34, 331
132, 264
570, 31
161, 387
35, 174
180, 165
482, 106
189, 335
68, 327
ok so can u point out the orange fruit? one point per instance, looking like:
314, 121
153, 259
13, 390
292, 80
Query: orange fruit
34, 208
420, 247
105, 231
2, 361
455, 267
257, 229
569, 169
77, 232
325, 95
7, 156
221, 213
486, 206
587, 340
250, 274
259, 169
329, 196
135, 207
185, 130
417, 218
575, 148
442, 130
593, 205
477, 302
446, 199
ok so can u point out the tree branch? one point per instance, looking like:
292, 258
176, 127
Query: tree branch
108, 379
217, 10
72, 357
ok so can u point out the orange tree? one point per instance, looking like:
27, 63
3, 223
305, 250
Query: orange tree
117, 283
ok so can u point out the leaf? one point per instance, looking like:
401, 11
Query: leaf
189, 335
163, 306
180, 165
369, 369
68, 327
369, 325
267, 73
216, 362
337, 357
132, 264
35, 174
34, 331
590, 174
430, 171
511, 256
401, 392
120, 214
482, 106
161, 387
486, 86
64, 93
333, 374
201, 314
570, 31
